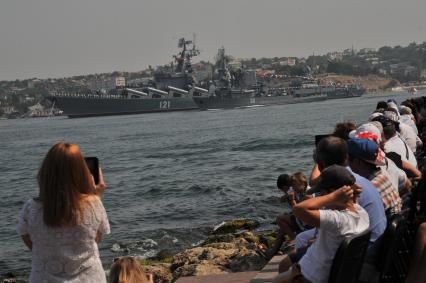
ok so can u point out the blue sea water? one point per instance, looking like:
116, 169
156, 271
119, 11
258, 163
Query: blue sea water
171, 176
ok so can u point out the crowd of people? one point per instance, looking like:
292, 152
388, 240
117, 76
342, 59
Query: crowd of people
362, 176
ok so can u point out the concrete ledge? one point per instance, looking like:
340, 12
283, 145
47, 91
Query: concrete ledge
237, 277
269, 271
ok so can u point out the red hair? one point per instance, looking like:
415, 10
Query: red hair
63, 178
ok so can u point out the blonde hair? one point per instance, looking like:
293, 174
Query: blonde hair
300, 179
127, 270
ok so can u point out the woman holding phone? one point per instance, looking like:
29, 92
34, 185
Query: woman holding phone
64, 224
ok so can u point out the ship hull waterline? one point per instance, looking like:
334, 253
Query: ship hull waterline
227, 102
79, 107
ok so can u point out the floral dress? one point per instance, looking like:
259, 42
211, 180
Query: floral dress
65, 254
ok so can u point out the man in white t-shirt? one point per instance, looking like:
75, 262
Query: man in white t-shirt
337, 217
407, 134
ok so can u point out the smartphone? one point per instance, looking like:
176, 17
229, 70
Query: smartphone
318, 138
93, 164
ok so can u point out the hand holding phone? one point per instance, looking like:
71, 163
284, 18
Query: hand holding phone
93, 165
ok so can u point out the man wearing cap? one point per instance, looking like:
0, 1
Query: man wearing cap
337, 217
406, 132
393, 143
372, 131
364, 158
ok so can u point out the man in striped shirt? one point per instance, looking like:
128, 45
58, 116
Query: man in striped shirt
365, 157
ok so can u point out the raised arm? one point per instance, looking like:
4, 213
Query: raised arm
308, 211
27, 241
100, 188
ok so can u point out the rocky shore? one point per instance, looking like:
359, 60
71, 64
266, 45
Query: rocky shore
230, 247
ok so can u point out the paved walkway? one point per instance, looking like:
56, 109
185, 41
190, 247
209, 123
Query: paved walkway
269, 271
264, 276
236, 277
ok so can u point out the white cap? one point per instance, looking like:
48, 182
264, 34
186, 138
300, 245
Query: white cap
374, 115
367, 127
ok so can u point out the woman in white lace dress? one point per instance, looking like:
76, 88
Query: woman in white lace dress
63, 226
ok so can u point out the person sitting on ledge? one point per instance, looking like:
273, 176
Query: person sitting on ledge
294, 188
337, 217
365, 157
128, 270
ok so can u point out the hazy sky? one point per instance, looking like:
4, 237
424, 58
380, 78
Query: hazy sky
57, 38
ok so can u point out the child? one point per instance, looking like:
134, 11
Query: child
294, 188
128, 270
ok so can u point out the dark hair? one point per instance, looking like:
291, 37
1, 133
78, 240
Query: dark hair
389, 130
330, 151
382, 104
63, 178
283, 180
342, 130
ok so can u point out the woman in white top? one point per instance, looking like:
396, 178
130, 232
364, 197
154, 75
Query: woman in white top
64, 224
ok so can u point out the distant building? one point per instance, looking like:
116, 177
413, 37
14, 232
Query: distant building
33, 83
335, 56
288, 62
403, 69
349, 52
107, 84
8, 109
423, 74
367, 51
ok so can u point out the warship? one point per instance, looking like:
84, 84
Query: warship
346, 92
170, 91
229, 90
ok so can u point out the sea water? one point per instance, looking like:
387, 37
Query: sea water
171, 176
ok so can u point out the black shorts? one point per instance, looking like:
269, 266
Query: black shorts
297, 255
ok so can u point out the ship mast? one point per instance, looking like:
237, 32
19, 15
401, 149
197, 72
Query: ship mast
184, 57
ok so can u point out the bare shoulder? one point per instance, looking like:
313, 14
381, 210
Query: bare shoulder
90, 198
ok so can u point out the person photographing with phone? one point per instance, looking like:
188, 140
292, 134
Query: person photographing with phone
64, 224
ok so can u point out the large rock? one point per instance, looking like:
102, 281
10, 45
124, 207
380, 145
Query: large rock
162, 272
233, 226
220, 253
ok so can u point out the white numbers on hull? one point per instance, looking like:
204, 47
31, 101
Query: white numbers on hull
164, 104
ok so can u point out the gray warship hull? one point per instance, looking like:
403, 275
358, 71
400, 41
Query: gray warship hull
346, 93
228, 101
92, 105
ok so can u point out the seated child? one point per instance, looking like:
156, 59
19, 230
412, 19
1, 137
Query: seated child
128, 270
294, 188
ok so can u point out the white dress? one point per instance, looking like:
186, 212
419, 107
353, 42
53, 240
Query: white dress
65, 254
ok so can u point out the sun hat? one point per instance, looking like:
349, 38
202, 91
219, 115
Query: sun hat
367, 150
332, 177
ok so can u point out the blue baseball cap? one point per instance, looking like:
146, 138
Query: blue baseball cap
366, 150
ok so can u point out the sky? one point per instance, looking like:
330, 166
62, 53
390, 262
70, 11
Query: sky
61, 38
